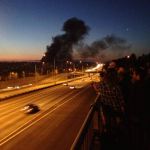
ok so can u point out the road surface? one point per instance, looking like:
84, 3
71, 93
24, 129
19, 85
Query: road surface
54, 127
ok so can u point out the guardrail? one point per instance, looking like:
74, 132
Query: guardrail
16, 92
86, 135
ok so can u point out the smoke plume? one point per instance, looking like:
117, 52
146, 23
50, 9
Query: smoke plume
109, 47
61, 47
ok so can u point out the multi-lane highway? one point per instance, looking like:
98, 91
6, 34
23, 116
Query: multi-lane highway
54, 127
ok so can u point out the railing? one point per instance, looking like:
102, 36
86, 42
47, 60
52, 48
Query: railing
96, 133
85, 137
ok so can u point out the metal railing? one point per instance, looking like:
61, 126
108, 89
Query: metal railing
97, 128
85, 137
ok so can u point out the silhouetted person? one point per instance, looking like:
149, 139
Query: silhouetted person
112, 102
138, 110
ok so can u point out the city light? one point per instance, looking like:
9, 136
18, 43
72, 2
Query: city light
95, 69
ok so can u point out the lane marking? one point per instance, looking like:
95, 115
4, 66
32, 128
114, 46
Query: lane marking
13, 134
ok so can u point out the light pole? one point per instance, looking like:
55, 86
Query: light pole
67, 71
35, 72
81, 66
42, 68
54, 69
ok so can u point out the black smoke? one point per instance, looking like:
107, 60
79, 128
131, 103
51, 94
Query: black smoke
61, 47
110, 46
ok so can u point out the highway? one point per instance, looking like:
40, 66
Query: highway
54, 127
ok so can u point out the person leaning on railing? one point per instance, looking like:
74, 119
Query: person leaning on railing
111, 99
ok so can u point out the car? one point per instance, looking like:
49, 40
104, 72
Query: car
30, 109
77, 86
65, 84
72, 87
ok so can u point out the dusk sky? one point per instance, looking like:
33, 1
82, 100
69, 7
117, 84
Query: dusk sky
27, 26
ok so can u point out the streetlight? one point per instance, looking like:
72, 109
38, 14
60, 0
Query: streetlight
35, 72
67, 66
42, 68
67, 71
81, 66
54, 69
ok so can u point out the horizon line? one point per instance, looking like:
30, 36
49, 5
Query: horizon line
20, 60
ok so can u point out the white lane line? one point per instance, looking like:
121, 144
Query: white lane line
34, 100
13, 134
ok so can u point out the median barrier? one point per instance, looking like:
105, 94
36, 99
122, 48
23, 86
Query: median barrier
7, 94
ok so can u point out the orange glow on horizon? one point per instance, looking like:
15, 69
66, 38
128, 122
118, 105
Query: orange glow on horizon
19, 57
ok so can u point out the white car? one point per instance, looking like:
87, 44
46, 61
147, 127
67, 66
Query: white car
72, 87
65, 84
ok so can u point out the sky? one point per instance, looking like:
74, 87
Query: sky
27, 26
